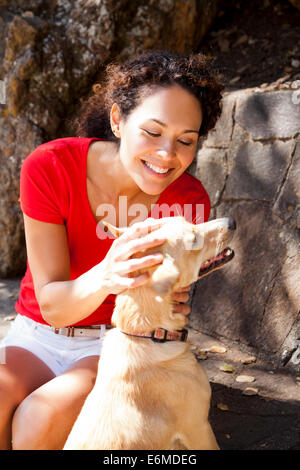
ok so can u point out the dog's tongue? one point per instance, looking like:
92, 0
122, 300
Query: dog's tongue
211, 260
218, 260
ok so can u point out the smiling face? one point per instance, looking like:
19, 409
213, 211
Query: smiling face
158, 140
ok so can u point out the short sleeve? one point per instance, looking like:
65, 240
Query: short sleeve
39, 187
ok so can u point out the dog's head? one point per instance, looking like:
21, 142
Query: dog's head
190, 251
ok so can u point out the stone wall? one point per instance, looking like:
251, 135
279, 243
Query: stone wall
51, 52
250, 166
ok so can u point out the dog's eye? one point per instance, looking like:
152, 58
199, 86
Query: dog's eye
194, 241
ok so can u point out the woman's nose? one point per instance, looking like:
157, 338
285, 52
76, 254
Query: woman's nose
167, 152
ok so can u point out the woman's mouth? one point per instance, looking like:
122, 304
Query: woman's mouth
156, 170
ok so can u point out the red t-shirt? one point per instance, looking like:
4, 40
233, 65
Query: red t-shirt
53, 188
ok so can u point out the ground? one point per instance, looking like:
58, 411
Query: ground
255, 42
251, 43
268, 419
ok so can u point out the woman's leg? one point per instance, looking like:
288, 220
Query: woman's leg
20, 375
45, 418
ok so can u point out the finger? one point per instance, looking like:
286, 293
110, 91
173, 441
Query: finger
138, 245
122, 282
184, 309
184, 289
137, 281
141, 229
180, 296
126, 267
117, 284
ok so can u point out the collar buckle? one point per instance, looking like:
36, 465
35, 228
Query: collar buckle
159, 335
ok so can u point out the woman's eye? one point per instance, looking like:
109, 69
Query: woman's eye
184, 143
153, 134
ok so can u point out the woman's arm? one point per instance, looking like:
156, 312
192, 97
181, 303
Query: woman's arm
63, 301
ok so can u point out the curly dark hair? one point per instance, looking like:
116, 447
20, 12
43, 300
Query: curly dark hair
126, 84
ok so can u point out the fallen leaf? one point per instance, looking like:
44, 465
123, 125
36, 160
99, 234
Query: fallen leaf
226, 368
222, 407
295, 63
234, 80
241, 40
252, 41
250, 391
249, 360
243, 69
245, 378
218, 349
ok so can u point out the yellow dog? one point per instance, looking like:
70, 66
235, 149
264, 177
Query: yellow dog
150, 391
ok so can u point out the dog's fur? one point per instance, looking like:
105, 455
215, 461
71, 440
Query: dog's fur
151, 395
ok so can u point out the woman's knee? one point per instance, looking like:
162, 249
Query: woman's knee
31, 422
45, 418
12, 392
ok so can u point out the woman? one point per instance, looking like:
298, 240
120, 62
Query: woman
137, 135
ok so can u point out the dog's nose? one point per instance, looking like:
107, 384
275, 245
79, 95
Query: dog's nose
231, 224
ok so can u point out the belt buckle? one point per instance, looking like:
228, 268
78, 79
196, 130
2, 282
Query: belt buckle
70, 331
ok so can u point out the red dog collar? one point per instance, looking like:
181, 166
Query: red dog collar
160, 335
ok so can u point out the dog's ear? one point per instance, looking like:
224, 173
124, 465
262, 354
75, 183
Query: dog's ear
115, 231
165, 276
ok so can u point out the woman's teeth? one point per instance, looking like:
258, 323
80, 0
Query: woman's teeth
157, 169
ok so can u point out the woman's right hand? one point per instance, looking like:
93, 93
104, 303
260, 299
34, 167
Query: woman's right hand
118, 264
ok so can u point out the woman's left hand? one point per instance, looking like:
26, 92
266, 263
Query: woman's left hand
179, 299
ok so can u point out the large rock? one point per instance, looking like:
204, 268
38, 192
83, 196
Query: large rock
250, 166
51, 52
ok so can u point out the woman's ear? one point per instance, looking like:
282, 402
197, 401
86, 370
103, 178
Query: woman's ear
115, 118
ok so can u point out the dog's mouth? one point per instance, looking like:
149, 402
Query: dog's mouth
217, 262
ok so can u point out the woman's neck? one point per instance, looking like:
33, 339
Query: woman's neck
106, 171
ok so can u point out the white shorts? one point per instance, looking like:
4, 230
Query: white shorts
58, 352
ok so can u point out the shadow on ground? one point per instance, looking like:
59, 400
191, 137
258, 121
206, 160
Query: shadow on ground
252, 422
